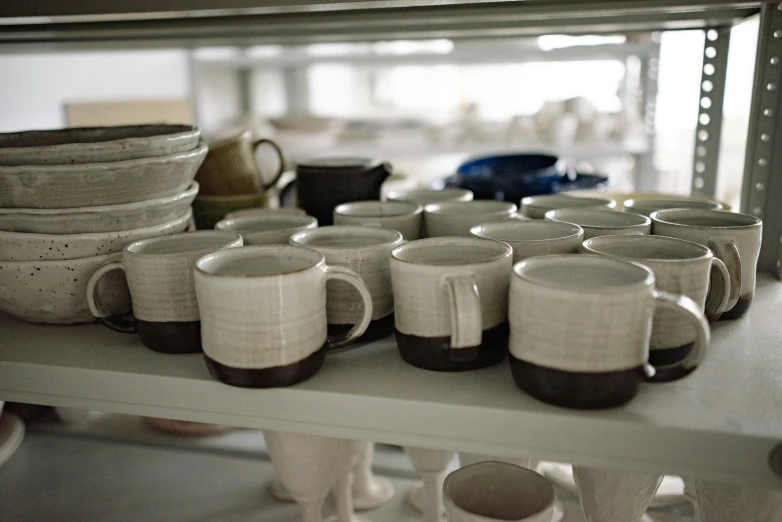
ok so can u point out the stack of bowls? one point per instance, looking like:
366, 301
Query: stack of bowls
71, 199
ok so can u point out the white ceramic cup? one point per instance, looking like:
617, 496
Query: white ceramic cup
366, 251
159, 272
451, 301
426, 196
679, 267
614, 496
267, 229
262, 211
402, 216
580, 328
456, 218
263, 313
535, 207
647, 206
734, 238
533, 238
497, 491
599, 222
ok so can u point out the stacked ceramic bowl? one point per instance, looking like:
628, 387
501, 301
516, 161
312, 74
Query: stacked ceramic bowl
71, 199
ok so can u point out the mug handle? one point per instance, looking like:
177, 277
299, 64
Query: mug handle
341, 273
691, 312
727, 252
96, 307
466, 316
256, 145
719, 290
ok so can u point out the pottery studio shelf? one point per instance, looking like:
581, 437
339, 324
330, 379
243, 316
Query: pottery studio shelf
723, 421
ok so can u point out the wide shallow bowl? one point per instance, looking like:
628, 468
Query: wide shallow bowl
510, 177
56, 291
96, 144
19, 246
97, 184
107, 218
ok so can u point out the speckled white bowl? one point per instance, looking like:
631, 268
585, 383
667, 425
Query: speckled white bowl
16, 246
95, 184
108, 218
96, 144
56, 291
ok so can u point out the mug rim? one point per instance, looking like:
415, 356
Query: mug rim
645, 204
433, 242
290, 220
519, 271
233, 238
641, 220
394, 237
231, 140
533, 201
248, 252
520, 224
660, 216
394, 195
706, 252
441, 208
411, 208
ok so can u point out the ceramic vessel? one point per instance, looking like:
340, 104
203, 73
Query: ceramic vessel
647, 206
457, 218
20, 246
431, 464
426, 196
596, 222
263, 313
366, 251
597, 356
450, 302
348, 455
108, 218
268, 229
230, 167
55, 291
265, 212
679, 267
614, 496
402, 216
497, 491
734, 238
96, 144
535, 207
510, 177
97, 184
209, 210
719, 502
533, 238
159, 272
369, 490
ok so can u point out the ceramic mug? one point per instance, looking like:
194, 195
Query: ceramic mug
263, 313
679, 267
230, 167
366, 251
497, 491
208, 210
261, 211
426, 196
397, 215
734, 238
456, 218
159, 272
267, 229
533, 238
596, 222
647, 206
580, 328
451, 302
535, 207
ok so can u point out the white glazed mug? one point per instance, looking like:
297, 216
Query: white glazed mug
580, 328
456, 218
159, 272
647, 206
680, 267
734, 238
265, 211
263, 313
267, 229
533, 238
497, 491
402, 216
426, 196
366, 251
451, 302
599, 222
535, 207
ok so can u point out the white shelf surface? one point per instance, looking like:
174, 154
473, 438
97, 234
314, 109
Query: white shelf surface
722, 421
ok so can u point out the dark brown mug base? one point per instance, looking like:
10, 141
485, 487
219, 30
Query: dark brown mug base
274, 377
741, 308
668, 356
171, 336
377, 329
434, 353
584, 391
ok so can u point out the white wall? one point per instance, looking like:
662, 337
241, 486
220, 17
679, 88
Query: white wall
34, 87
